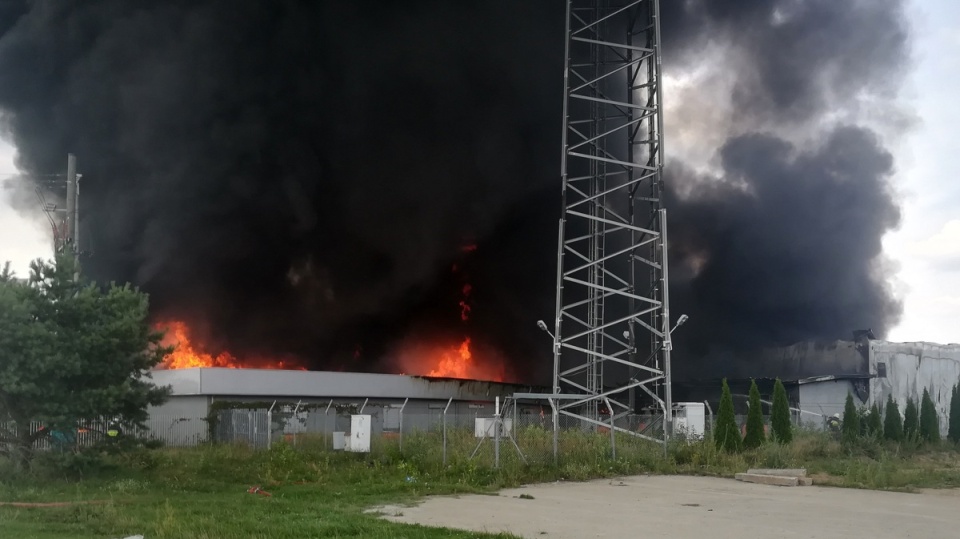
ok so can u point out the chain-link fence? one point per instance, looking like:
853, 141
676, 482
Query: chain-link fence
451, 431
171, 430
516, 431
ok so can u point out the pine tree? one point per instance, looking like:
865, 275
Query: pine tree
754, 437
911, 421
874, 423
780, 415
929, 422
851, 421
725, 431
954, 420
69, 351
892, 422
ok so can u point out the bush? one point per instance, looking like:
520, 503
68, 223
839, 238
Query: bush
892, 422
953, 434
851, 421
754, 437
780, 415
725, 433
911, 421
929, 422
874, 423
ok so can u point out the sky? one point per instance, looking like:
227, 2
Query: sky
924, 251
927, 245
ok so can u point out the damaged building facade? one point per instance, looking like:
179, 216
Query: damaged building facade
904, 370
819, 376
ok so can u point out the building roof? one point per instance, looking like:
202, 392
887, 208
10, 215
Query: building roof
326, 384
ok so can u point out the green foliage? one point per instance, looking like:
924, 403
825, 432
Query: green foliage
892, 422
725, 433
953, 434
754, 437
202, 491
874, 423
863, 414
911, 421
851, 421
780, 422
71, 351
929, 422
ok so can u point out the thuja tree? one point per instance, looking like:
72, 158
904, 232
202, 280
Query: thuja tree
892, 422
71, 351
754, 436
874, 423
725, 431
953, 434
780, 422
929, 422
911, 421
851, 420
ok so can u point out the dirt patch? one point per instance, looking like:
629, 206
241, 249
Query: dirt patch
690, 507
50, 504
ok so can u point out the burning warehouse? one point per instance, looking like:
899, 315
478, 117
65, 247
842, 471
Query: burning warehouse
320, 401
343, 188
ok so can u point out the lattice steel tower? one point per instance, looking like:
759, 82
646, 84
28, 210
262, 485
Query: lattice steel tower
612, 326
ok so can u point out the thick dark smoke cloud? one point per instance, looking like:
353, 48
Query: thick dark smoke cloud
789, 251
299, 177
781, 241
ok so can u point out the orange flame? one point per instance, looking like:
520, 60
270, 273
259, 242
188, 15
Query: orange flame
428, 357
448, 360
456, 364
186, 355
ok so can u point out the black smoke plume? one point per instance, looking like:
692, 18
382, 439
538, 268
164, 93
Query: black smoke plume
300, 177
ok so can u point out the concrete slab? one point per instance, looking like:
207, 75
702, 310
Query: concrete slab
787, 472
761, 479
691, 508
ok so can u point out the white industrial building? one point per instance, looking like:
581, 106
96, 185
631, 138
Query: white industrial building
904, 370
322, 402
222, 402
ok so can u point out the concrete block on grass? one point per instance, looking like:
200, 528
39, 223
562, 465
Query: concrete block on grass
763, 479
786, 472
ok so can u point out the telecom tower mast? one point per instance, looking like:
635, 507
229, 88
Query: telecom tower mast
612, 326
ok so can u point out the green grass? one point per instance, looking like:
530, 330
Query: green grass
202, 492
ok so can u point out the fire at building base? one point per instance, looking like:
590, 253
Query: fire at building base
818, 377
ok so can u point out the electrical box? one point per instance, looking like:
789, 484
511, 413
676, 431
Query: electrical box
483, 427
359, 434
339, 441
689, 419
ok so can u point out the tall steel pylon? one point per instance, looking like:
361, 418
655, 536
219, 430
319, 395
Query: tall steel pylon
612, 326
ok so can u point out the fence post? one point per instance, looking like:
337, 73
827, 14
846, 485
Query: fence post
497, 424
445, 431
326, 423
296, 418
270, 426
710, 425
556, 430
401, 424
613, 431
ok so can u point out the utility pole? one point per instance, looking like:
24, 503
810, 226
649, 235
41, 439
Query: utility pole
72, 222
